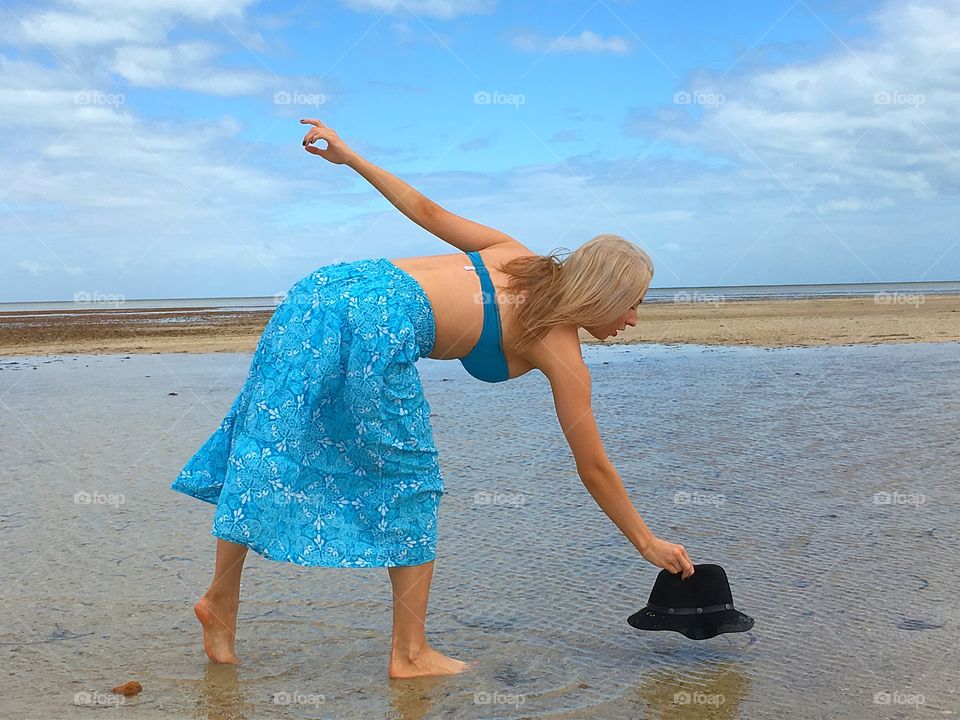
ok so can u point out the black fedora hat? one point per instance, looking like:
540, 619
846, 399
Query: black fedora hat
699, 607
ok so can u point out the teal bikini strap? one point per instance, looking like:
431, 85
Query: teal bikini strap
491, 314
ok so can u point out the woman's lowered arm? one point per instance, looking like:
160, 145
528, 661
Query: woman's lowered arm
558, 357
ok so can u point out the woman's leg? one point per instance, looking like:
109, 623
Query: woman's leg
217, 609
410, 653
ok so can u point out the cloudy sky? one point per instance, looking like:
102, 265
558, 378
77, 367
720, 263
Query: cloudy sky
151, 148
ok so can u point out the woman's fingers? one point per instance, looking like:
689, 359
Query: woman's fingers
316, 134
312, 122
670, 557
680, 562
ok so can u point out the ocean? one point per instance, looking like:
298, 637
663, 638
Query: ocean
101, 302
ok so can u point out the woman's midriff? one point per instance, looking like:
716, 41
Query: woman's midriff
454, 294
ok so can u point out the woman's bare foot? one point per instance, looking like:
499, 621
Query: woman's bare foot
219, 621
426, 662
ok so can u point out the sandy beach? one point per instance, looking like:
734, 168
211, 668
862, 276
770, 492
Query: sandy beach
763, 323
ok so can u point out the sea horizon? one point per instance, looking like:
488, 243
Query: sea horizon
86, 300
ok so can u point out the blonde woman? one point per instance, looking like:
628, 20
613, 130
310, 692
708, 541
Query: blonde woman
326, 457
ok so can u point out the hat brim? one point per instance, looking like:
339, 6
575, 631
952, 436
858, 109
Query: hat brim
695, 627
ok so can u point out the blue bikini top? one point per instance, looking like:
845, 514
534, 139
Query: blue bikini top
486, 360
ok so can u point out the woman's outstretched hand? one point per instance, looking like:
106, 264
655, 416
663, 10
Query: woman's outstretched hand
337, 151
668, 556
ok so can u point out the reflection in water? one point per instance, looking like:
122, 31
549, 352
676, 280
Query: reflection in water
674, 694
221, 695
411, 699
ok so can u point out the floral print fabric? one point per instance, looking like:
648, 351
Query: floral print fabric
326, 457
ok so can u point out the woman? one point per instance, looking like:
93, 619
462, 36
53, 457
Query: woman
326, 457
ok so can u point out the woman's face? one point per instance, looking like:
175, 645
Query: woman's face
611, 329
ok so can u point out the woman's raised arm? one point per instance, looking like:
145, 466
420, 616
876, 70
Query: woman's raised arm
463, 234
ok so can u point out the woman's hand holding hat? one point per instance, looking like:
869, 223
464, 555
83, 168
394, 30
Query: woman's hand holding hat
668, 556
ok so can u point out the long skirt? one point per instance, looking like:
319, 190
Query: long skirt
327, 456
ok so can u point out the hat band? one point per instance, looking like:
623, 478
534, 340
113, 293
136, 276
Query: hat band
691, 611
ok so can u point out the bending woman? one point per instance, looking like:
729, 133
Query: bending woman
327, 457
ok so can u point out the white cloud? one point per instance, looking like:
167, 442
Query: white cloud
869, 118
403, 32
132, 199
175, 66
32, 266
103, 22
152, 66
69, 30
587, 41
99, 39
205, 11
146, 206
853, 205
441, 9
793, 174
477, 143
565, 136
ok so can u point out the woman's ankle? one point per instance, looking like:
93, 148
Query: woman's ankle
409, 651
221, 598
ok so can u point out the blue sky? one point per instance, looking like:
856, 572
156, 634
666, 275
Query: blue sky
152, 147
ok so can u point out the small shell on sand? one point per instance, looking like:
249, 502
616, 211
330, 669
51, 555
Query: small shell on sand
131, 687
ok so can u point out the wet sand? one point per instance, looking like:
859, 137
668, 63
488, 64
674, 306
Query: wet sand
823, 479
765, 323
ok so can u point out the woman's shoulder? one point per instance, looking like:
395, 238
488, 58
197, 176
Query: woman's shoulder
507, 250
557, 352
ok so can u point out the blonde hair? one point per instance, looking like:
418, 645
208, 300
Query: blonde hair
593, 285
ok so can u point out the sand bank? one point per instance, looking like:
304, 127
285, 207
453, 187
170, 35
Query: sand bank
766, 323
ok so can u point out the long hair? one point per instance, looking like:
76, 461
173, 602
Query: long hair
593, 285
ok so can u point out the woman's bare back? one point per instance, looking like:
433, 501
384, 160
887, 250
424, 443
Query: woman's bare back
454, 294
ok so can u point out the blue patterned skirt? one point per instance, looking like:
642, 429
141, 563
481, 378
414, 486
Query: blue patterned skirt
326, 457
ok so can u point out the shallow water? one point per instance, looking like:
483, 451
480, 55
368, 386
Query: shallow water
825, 481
